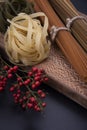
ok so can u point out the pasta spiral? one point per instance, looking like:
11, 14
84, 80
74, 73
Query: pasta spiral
26, 39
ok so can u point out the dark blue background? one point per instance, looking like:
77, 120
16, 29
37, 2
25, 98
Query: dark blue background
81, 5
60, 114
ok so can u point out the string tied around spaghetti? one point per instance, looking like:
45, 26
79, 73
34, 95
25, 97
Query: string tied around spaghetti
55, 30
69, 21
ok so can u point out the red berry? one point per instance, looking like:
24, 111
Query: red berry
36, 75
37, 78
30, 105
6, 67
45, 79
10, 76
19, 79
24, 98
41, 70
20, 84
43, 95
11, 69
33, 86
30, 73
1, 77
32, 99
16, 98
39, 92
26, 82
4, 83
20, 100
24, 106
37, 83
18, 95
43, 104
37, 108
1, 83
15, 68
39, 74
12, 89
5, 79
18, 91
34, 69
14, 95
1, 89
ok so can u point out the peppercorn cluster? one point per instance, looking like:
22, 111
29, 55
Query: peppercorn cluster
26, 89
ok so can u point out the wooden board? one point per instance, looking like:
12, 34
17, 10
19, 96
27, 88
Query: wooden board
62, 76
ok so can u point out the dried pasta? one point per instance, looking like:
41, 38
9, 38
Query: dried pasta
26, 39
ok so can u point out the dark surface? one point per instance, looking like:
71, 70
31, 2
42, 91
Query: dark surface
81, 5
60, 114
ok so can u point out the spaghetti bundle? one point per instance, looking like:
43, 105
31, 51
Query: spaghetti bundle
26, 39
69, 46
65, 9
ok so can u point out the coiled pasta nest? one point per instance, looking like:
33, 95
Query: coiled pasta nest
26, 39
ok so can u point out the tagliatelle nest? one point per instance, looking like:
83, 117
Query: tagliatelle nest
26, 39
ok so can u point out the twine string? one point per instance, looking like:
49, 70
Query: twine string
54, 29
71, 21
